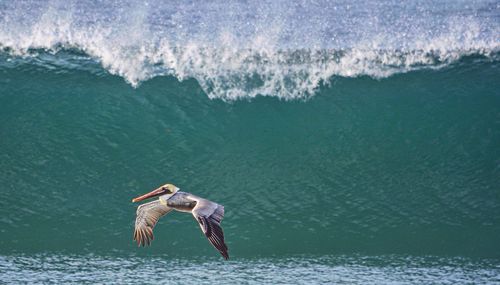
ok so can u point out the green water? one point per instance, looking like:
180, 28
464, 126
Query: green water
350, 143
404, 165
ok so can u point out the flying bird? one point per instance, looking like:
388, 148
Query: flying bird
207, 213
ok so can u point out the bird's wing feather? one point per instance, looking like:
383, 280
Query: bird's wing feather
147, 216
209, 215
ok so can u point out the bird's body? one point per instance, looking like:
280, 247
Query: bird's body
207, 213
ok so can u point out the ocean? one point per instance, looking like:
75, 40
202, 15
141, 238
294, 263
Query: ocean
350, 142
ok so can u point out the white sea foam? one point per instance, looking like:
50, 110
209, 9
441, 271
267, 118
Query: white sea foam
230, 61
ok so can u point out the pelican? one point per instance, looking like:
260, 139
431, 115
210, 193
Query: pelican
207, 213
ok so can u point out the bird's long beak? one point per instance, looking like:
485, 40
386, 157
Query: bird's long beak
154, 193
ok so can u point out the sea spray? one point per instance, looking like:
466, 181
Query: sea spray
281, 50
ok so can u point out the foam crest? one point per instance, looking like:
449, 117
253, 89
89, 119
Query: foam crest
270, 58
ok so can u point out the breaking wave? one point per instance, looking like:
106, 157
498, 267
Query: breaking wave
245, 55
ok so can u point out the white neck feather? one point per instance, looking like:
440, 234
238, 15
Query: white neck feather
163, 198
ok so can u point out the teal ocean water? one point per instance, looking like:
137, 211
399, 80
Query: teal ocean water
349, 143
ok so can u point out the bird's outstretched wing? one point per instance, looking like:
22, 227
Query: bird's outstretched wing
209, 215
147, 216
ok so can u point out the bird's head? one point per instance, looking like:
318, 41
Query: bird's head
167, 189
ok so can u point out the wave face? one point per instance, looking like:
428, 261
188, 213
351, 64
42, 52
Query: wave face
396, 152
243, 49
403, 165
